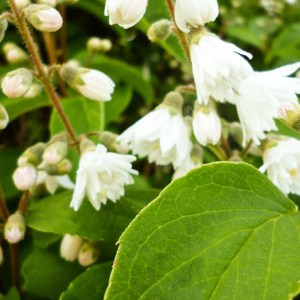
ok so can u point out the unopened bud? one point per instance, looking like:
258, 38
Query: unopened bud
86, 145
62, 168
4, 118
290, 115
51, 3
21, 4
173, 101
14, 229
55, 153
95, 44
32, 155
16, 83
14, 54
70, 246
88, 254
25, 177
43, 17
35, 90
90, 83
159, 31
3, 27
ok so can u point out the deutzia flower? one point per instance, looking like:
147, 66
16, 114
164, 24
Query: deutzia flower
90, 83
206, 125
161, 135
282, 163
218, 67
101, 176
14, 228
195, 13
260, 96
125, 13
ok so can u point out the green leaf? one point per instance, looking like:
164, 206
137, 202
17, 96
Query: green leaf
90, 285
46, 274
54, 215
222, 232
12, 294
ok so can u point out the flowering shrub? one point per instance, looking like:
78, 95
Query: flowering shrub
149, 149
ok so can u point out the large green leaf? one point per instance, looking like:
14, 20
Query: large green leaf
54, 215
46, 274
222, 232
89, 285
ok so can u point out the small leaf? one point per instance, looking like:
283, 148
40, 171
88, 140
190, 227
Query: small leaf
222, 232
54, 215
90, 285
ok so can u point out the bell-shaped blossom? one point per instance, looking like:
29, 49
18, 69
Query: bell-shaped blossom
161, 135
16, 83
90, 83
101, 176
259, 99
206, 125
195, 13
43, 17
282, 163
218, 68
125, 13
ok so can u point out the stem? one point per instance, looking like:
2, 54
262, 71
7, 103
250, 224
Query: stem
24, 202
217, 152
246, 149
180, 34
14, 260
102, 116
3, 208
225, 145
32, 49
63, 33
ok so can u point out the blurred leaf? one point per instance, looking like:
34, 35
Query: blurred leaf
53, 214
90, 285
12, 294
46, 274
44, 240
222, 232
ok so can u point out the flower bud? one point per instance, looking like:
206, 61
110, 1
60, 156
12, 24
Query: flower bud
16, 83
51, 3
32, 155
43, 17
206, 125
109, 140
14, 54
173, 101
62, 168
1, 256
88, 254
3, 27
35, 90
4, 118
159, 31
22, 3
55, 153
14, 229
70, 246
125, 13
95, 44
90, 83
289, 113
86, 145
25, 177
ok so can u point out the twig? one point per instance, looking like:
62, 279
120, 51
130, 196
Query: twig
23, 204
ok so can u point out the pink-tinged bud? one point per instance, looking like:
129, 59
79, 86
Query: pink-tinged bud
206, 125
284, 108
70, 246
43, 17
25, 177
14, 229
55, 153
88, 254
16, 83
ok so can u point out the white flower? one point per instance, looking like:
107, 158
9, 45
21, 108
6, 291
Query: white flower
282, 163
102, 175
206, 125
92, 84
16, 83
125, 13
70, 246
195, 13
14, 229
43, 17
218, 68
259, 98
25, 177
52, 182
161, 135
